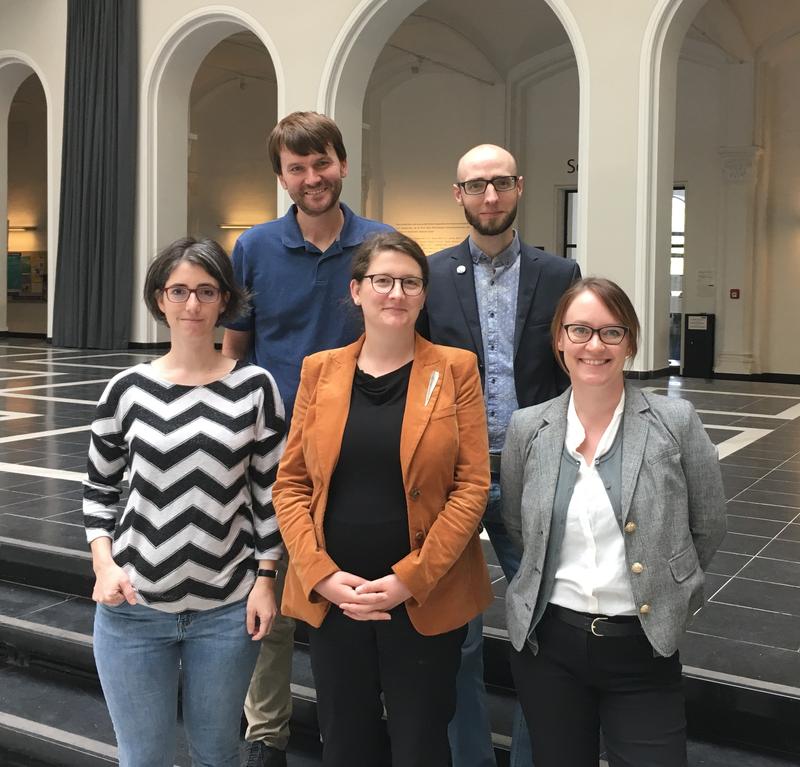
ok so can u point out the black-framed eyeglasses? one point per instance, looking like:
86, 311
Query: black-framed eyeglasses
611, 335
478, 185
384, 283
179, 294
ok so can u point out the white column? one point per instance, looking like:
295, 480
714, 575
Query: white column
627, 150
625, 166
736, 265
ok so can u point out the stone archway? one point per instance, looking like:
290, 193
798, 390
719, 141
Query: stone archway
353, 56
661, 47
637, 202
15, 68
163, 145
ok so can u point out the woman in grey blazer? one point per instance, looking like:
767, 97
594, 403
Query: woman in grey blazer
615, 498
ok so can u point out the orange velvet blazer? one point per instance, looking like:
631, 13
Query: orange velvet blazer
444, 456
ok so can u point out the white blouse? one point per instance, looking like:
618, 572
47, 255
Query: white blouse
592, 576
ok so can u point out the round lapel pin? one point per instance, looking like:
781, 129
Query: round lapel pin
461, 269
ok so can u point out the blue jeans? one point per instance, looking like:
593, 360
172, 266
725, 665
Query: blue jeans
470, 731
139, 653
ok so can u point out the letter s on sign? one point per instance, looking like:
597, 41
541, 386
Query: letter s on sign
572, 166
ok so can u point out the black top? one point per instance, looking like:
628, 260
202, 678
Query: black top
366, 520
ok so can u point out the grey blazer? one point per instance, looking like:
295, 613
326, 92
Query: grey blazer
671, 491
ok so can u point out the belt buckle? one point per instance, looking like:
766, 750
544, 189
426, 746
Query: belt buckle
592, 627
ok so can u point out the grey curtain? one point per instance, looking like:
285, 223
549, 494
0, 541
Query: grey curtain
98, 177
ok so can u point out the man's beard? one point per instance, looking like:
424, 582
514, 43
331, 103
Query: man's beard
490, 229
335, 188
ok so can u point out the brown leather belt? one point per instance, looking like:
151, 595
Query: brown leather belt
597, 625
494, 463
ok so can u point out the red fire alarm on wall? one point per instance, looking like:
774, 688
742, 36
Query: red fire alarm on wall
734, 292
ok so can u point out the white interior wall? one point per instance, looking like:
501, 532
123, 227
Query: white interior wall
174, 39
34, 34
425, 124
230, 177
413, 155
550, 137
298, 39
164, 151
698, 136
421, 114
620, 204
779, 353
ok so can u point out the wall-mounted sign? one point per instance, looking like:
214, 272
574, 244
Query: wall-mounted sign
27, 274
706, 283
434, 237
14, 279
697, 322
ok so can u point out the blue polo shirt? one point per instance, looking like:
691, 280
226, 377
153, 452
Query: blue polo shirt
299, 303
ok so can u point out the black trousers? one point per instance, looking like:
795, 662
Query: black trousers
578, 684
355, 661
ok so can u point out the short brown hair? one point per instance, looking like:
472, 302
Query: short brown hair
209, 256
305, 133
613, 298
382, 241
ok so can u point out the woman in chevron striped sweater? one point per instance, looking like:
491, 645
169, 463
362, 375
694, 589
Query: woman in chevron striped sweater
185, 571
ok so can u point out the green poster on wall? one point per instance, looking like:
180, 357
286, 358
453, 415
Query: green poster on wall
14, 272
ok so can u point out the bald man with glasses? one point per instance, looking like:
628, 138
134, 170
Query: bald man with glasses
495, 295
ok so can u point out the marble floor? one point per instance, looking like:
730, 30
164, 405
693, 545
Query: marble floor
747, 633
750, 626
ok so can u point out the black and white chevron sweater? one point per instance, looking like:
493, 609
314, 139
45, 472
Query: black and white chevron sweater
201, 461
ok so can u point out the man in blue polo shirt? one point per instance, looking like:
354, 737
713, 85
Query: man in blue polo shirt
298, 270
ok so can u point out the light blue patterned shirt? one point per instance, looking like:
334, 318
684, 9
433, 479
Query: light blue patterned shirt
496, 288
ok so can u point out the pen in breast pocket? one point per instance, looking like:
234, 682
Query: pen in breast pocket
431, 386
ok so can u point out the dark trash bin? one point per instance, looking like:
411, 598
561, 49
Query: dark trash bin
698, 346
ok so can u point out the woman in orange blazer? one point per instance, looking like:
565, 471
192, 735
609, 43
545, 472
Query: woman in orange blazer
378, 497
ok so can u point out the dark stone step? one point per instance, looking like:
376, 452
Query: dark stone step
55, 626
54, 718
45, 565
48, 717
51, 631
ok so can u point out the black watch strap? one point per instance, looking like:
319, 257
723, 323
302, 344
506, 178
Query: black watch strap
263, 573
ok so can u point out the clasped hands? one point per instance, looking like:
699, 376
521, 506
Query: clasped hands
360, 599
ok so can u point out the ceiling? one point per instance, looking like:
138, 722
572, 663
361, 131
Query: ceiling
763, 19
239, 57
507, 31
486, 40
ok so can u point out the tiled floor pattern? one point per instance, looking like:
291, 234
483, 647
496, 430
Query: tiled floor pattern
750, 627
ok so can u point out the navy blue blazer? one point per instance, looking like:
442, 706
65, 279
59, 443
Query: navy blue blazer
450, 316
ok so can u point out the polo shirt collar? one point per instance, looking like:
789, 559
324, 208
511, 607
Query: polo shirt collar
353, 232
